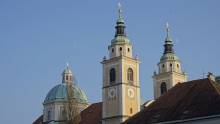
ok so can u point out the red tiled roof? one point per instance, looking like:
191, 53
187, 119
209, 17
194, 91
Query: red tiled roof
198, 98
92, 114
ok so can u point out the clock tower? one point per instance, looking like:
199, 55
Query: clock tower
121, 85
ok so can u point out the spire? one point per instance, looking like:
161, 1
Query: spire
120, 25
168, 38
168, 46
120, 11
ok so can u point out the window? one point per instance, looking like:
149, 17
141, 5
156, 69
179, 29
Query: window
130, 75
120, 48
171, 67
112, 75
67, 78
163, 88
63, 115
163, 66
177, 65
112, 50
128, 49
49, 115
131, 110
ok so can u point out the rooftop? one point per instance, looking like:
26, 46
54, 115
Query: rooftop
193, 99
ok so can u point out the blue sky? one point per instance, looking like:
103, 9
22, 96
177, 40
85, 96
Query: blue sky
38, 37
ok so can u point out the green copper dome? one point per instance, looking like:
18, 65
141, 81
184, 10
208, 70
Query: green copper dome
120, 21
59, 93
120, 35
169, 56
120, 40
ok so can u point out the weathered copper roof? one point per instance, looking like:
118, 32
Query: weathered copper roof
59, 93
197, 98
39, 120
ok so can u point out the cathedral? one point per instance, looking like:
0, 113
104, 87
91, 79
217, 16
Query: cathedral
176, 100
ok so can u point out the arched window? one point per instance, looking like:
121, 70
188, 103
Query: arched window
112, 76
71, 78
131, 110
130, 75
163, 88
67, 78
49, 115
171, 66
63, 115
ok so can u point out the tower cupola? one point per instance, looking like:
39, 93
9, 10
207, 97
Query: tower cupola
168, 46
120, 24
120, 44
67, 75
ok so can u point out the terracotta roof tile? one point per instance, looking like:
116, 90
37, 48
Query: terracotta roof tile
191, 99
92, 114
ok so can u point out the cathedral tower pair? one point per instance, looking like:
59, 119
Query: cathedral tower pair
169, 69
121, 86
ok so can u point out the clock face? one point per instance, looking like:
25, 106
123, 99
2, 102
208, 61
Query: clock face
130, 93
112, 92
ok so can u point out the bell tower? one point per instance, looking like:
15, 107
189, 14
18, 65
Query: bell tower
169, 69
121, 86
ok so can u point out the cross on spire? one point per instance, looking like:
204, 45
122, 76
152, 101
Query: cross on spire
167, 28
120, 24
168, 41
67, 64
168, 38
119, 11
